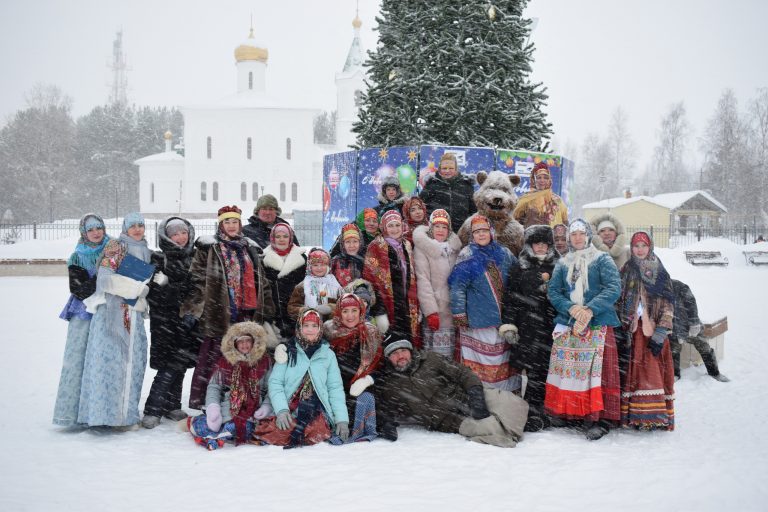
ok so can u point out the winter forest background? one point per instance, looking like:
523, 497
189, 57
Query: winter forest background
431, 81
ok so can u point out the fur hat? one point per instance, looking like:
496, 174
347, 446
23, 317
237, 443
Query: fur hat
267, 201
539, 233
391, 181
391, 346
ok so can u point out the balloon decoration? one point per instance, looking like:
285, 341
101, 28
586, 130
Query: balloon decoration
326, 198
407, 176
344, 186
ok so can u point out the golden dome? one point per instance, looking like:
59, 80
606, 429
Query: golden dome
356, 23
168, 135
249, 51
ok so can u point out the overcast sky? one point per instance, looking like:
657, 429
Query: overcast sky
593, 55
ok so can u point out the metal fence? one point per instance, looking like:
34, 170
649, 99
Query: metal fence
308, 226
675, 237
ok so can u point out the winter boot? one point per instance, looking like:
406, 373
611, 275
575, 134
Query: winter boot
710, 362
149, 421
176, 415
596, 430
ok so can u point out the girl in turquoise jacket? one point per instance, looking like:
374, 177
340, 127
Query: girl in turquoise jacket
305, 390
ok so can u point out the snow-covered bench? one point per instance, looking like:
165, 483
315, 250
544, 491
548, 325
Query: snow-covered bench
33, 267
756, 257
714, 333
706, 258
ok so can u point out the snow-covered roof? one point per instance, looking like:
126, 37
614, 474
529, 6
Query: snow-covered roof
251, 99
671, 201
615, 202
165, 156
674, 200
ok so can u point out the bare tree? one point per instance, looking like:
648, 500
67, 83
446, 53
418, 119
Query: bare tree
623, 153
758, 118
668, 171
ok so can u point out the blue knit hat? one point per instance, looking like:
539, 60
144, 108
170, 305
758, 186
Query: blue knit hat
132, 219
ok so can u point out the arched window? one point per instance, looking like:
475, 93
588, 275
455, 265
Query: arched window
243, 191
254, 191
215, 190
249, 148
294, 192
288, 148
282, 191
250, 79
151, 192
203, 191
208, 147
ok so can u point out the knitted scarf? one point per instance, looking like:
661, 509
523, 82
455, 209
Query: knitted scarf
239, 271
87, 254
577, 262
318, 290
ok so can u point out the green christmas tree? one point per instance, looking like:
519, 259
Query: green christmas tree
453, 72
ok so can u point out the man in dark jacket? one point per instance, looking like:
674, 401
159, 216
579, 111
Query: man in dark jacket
687, 327
451, 191
265, 215
426, 389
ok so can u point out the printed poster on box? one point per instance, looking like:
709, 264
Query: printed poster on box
375, 164
470, 160
339, 193
514, 161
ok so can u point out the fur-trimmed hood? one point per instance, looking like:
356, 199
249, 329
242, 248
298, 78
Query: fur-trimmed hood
620, 250
293, 260
533, 234
230, 352
431, 247
166, 244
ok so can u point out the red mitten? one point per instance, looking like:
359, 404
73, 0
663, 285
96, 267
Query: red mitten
433, 321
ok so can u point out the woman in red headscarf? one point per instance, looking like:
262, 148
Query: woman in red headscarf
646, 310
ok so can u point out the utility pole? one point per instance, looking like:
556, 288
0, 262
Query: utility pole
118, 89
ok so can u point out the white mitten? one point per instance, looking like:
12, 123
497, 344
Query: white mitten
263, 411
509, 333
382, 323
160, 279
281, 354
122, 286
360, 385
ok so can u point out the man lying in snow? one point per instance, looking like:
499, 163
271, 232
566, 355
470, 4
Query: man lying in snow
427, 389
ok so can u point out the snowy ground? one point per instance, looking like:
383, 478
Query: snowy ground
716, 459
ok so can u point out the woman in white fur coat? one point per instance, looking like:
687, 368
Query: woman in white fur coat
435, 250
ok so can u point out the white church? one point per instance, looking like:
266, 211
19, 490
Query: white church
247, 144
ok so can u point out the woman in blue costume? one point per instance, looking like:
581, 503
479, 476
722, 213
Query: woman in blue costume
117, 344
82, 266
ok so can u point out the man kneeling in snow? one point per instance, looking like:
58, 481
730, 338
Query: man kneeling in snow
427, 389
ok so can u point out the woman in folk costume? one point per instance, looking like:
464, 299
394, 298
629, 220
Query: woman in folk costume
414, 215
285, 267
228, 285
583, 379
358, 348
347, 264
117, 344
646, 311
173, 349
236, 398
319, 289
477, 287
541, 205
83, 265
368, 222
389, 268
435, 250
306, 391
529, 318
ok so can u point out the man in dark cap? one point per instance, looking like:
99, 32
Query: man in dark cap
265, 215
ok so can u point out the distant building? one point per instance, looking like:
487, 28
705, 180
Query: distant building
249, 144
669, 213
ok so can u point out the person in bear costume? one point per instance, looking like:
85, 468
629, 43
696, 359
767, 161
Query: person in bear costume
496, 200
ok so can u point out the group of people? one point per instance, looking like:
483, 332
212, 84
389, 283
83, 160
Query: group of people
400, 323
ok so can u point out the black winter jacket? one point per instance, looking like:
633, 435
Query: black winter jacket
454, 196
